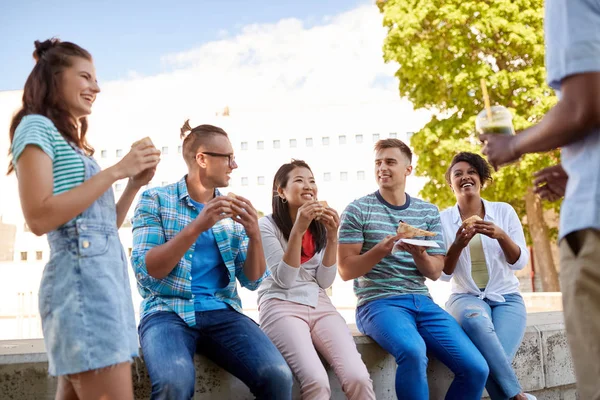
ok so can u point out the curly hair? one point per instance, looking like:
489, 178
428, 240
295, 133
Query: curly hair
476, 161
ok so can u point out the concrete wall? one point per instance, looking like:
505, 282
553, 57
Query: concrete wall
543, 365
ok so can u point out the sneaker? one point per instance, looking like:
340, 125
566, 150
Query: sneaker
530, 396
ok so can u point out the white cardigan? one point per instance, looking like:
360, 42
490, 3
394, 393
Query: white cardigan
299, 285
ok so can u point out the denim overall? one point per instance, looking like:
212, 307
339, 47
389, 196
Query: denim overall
84, 298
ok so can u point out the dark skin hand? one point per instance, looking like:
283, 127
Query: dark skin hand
550, 183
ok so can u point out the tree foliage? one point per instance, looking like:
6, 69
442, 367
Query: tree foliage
444, 48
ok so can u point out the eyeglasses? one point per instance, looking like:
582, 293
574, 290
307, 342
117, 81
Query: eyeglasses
230, 157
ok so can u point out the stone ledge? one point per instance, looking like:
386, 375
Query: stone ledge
543, 364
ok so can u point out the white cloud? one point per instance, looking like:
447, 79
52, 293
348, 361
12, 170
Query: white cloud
266, 67
284, 77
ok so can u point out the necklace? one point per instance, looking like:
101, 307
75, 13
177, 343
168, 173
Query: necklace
479, 212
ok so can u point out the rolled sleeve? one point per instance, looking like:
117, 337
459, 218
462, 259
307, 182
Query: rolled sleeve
515, 232
239, 262
147, 234
282, 273
445, 277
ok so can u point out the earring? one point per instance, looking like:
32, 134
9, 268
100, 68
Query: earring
283, 200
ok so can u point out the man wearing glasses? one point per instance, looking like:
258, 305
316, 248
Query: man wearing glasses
190, 244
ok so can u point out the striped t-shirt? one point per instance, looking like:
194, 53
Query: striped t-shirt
369, 220
67, 166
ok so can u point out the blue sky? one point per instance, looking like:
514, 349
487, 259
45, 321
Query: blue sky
132, 35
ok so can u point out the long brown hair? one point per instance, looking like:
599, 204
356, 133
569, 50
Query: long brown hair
281, 210
41, 94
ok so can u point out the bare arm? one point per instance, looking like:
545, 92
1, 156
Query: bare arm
44, 211
462, 239
574, 117
352, 264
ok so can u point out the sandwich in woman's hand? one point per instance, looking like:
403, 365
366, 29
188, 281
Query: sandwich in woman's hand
320, 211
408, 231
471, 220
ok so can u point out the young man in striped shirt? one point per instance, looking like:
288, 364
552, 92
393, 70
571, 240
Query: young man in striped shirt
190, 244
394, 306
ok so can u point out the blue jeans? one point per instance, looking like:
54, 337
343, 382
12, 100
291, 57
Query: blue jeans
497, 330
230, 339
407, 326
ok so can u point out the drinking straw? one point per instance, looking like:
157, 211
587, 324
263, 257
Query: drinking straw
486, 99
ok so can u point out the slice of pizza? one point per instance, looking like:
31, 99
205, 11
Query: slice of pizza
471, 220
408, 231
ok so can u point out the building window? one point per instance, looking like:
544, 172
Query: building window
178, 149
309, 142
260, 180
244, 145
360, 175
164, 151
119, 152
118, 187
293, 143
342, 139
39, 255
327, 176
325, 140
104, 153
343, 176
244, 181
276, 144
164, 183
375, 137
393, 135
23, 256
409, 135
260, 145
358, 138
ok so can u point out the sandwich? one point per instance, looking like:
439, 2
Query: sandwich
471, 220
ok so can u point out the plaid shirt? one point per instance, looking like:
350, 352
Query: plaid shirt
162, 213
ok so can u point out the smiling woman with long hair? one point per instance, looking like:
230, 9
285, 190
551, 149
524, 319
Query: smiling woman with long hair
481, 260
300, 245
84, 297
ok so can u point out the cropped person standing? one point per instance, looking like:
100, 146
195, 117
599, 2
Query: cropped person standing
84, 297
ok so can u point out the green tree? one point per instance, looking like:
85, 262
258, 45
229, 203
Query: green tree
444, 48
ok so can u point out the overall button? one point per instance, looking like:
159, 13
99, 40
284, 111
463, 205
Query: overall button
85, 244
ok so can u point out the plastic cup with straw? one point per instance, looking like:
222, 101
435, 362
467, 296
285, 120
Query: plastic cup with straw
496, 119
